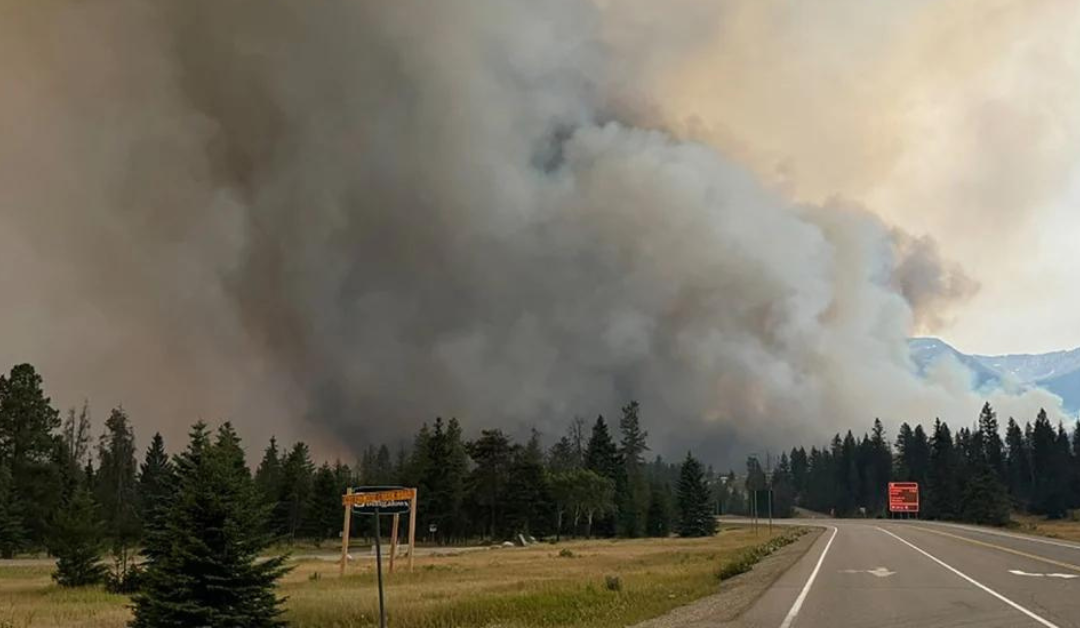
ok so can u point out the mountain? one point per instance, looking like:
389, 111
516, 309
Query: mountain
1058, 371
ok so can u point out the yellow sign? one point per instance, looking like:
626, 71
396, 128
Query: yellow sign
359, 499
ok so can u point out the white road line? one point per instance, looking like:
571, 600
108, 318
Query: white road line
806, 589
973, 581
1021, 537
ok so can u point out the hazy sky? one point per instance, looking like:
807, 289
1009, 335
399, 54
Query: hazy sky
954, 118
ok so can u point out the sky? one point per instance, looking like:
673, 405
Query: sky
957, 119
341, 219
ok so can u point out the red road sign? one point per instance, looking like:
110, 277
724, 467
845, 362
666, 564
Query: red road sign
903, 497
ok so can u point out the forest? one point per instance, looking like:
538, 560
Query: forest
76, 497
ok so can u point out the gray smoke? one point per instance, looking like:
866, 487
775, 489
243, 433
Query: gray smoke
334, 220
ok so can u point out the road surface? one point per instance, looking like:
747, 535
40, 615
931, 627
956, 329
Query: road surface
905, 573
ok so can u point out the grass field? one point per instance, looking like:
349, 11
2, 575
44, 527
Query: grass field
542, 585
1066, 529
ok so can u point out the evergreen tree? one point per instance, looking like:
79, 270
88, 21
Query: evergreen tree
115, 490
991, 437
602, 458
800, 473
983, 498
75, 540
878, 471
527, 488
12, 535
296, 476
493, 456
156, 489
632, 488
942, 489
1018, 469
783, 489
211, 573
659, 516
695, 515
1050, 469
324, 507
28, 447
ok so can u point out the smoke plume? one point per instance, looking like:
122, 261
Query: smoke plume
333, 220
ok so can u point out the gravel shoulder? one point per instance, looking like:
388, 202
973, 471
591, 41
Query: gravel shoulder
737, 594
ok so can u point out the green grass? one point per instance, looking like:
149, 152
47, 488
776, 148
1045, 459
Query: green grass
562, 585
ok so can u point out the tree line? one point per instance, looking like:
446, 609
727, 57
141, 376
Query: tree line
159, 518
974, 474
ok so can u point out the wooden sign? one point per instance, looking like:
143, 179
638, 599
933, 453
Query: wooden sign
903, 496
385, 502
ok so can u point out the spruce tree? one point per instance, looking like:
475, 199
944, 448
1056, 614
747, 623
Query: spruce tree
695, 515
324, 507
602, 458
942, 494
156, 489
1018, 470
117, 497
658, 518
528, 497
76, 539
28, 445
296, 476
211, 573
12, 535
492, 455
632, 490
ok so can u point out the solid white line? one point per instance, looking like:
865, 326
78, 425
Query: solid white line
1021, 537
806, 589
982, 586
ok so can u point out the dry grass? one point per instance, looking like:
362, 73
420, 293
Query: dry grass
1065, 529
505, 588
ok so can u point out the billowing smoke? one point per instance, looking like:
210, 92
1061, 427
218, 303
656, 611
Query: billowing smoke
336, 219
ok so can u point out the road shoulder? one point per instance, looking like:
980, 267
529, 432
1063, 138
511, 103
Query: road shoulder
738, 594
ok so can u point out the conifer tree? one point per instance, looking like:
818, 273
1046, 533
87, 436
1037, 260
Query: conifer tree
695, 515
156, 489
115, 491
324, 507
528, 498
659, 516
492, 455
12, 535
28, 446
296, 476
602, 458
942, 489
211, 573
1018, 470
75, 539
632, 487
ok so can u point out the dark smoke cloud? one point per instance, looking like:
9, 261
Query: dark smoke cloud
334, 220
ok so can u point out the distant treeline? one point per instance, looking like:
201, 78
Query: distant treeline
54, 477
973, 475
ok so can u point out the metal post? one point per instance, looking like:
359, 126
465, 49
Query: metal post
378, 569
770, 511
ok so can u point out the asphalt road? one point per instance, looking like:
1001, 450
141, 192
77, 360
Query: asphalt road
907, 573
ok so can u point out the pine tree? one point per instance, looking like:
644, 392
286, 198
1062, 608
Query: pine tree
493, 456
296, 475
659, 516
75, 540
116, 495
602, 458
783, 489
1018, 470
1050, 468
211, 574
632, 488
28, 445
991, 436
156, 489
695, 515
942, 489
12, 535
324, 507
528, 499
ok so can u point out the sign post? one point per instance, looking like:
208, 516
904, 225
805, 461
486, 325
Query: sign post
904, 497
378, 501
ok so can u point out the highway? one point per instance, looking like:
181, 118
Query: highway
884, 573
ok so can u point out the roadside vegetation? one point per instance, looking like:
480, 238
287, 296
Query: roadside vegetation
545, 584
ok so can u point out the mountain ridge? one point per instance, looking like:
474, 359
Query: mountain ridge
1056, 371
